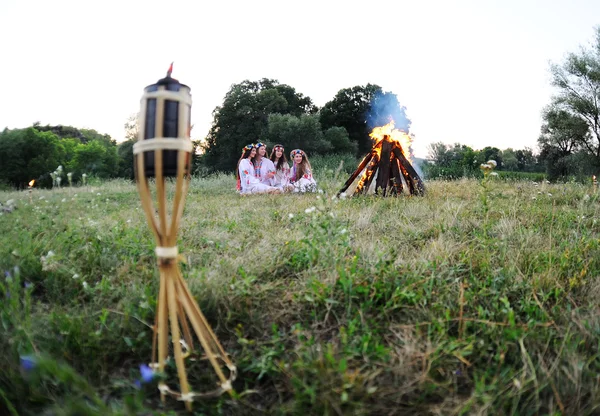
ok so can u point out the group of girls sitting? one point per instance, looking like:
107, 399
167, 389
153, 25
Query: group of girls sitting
257, 173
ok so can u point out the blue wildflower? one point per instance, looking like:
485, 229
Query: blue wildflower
147, 373
28, 362
28, 285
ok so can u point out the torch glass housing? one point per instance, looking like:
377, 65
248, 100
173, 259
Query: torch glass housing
165, 118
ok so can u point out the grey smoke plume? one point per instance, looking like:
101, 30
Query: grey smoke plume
386, 107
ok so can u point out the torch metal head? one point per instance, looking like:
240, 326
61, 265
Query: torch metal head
165, 121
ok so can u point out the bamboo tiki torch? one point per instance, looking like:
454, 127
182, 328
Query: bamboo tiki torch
163, 150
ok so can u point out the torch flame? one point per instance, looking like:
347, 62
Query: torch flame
395, 135
31, 182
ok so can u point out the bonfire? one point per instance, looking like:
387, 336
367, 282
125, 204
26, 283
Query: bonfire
389, 163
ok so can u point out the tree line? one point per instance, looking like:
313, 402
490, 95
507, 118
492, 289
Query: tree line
275, 113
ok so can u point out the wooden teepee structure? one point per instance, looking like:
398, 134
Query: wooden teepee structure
393, 172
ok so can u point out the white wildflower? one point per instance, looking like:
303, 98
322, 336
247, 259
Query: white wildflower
85, 285
128, 221
494, 174
586, 197
290, 216
64, 200
75, 276
492, 163
310, 210
320, 191
343, 231
549, 194
343, 195
98, 194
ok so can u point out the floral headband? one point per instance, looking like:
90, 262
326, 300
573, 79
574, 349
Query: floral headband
296, 152
260, 144
248, 147
278, 146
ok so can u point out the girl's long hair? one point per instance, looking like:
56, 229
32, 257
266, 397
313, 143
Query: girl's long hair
245, 153
281, 160
303, 166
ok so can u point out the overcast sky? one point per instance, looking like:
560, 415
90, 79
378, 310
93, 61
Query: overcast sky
474, 72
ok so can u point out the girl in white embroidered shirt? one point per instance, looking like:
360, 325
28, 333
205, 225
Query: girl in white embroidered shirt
282, 168
247, 183
301, 174
263, 167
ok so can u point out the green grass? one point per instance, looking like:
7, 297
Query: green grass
472, 300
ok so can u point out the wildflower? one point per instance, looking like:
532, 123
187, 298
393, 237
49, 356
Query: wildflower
310, 210
586, 197
28, 285
28, 362
494, 174
549, 194
85, 285
98, 194
75, 276
64, 200
492, 163
147, 375
290, 216
343, 195
343, 231
128, 221
320, 191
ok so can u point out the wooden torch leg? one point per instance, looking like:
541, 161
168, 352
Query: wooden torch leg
163, 328
183, 381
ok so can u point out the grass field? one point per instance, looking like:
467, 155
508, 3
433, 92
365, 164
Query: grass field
479, 298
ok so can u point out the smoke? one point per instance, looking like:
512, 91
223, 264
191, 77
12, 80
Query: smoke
385, 107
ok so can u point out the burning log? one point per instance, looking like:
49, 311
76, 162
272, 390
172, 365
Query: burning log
388, 163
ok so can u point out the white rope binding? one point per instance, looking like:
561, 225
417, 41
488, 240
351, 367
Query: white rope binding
166, 252
161, 143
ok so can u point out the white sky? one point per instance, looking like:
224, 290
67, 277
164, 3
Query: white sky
468, 71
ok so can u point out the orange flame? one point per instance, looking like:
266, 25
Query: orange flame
398, 136
31, 183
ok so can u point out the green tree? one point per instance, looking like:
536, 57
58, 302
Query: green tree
526, 160
509, 159
340, 141
27, 154
302, 132
96, 158
490, 153
244, 116
350, 109
577, 81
